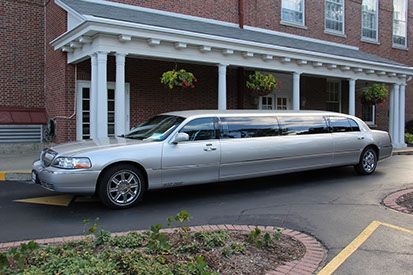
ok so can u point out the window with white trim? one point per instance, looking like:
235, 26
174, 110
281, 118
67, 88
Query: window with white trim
333, 103
334, 16
368, 113
292, 11
267, 102
83, 109
369, 19
400, 23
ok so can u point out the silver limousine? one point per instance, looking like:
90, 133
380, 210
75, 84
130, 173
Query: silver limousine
201, 146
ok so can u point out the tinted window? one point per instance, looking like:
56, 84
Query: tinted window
342, 124
249, 127
296, 125
354, 126
200, 129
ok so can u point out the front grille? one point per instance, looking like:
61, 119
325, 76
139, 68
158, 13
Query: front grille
47, 156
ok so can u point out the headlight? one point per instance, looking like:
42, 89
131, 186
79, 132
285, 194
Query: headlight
72, 163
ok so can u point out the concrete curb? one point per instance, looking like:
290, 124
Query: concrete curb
404, 151
314, 255
390, 200
19, 175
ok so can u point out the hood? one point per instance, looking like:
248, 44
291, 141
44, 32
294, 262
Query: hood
74, 148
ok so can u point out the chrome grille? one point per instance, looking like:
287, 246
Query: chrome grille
47, 157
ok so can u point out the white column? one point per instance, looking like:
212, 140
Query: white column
296, 91
402, 101
396, 104
222, 87
391, 113
102, 95
93, 96
120, 97
352, 97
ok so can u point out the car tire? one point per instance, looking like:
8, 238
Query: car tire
121, 186
368, 162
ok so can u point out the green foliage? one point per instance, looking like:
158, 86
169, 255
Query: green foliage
212, 239
132, 240
375, 94
255, 237
261, 83
235, 248
178, 79
409, 138
102, 237
158, 241
277, 234
182, 217
151, 252
199, 266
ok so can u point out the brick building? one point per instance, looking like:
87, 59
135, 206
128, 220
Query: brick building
95, 66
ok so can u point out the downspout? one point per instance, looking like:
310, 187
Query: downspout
241, 13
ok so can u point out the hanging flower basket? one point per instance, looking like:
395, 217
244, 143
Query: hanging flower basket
180, 79
374, 94
261, 84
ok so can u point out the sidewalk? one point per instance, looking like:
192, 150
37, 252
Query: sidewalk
17, 167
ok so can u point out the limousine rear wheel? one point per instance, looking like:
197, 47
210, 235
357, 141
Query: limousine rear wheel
121, 186
368, 162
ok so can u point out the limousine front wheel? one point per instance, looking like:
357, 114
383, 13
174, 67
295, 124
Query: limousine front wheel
368, 161
121, 186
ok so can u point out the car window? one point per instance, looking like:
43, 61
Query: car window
354, 126
200, 129
343, 124
249, 127
305, 125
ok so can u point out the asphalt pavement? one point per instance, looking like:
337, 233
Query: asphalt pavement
334, 205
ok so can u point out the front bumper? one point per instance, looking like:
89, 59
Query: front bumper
80, 181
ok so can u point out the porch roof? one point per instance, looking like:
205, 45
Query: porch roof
124, 13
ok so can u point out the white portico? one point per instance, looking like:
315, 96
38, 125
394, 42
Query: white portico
223, 45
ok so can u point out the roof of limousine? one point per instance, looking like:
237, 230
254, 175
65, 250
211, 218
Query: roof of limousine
190, 113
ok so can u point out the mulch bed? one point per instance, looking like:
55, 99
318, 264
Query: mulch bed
406, 201
254, 260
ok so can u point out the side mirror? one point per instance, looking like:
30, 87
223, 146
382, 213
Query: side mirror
180, 137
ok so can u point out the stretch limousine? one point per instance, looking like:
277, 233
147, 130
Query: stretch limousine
201, 146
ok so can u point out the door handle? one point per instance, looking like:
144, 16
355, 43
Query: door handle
209, 147
360, 138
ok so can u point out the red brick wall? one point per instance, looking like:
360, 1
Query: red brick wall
21, 53
59, 77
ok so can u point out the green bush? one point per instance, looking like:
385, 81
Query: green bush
409, 138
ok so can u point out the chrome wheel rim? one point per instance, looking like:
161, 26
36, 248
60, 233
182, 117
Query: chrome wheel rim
124, 187
369, 161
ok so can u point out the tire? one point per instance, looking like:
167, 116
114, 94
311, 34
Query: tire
121, 186
368, 162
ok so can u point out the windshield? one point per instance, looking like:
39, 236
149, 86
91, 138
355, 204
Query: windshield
157, 128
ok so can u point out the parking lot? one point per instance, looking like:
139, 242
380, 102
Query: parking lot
334, 205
